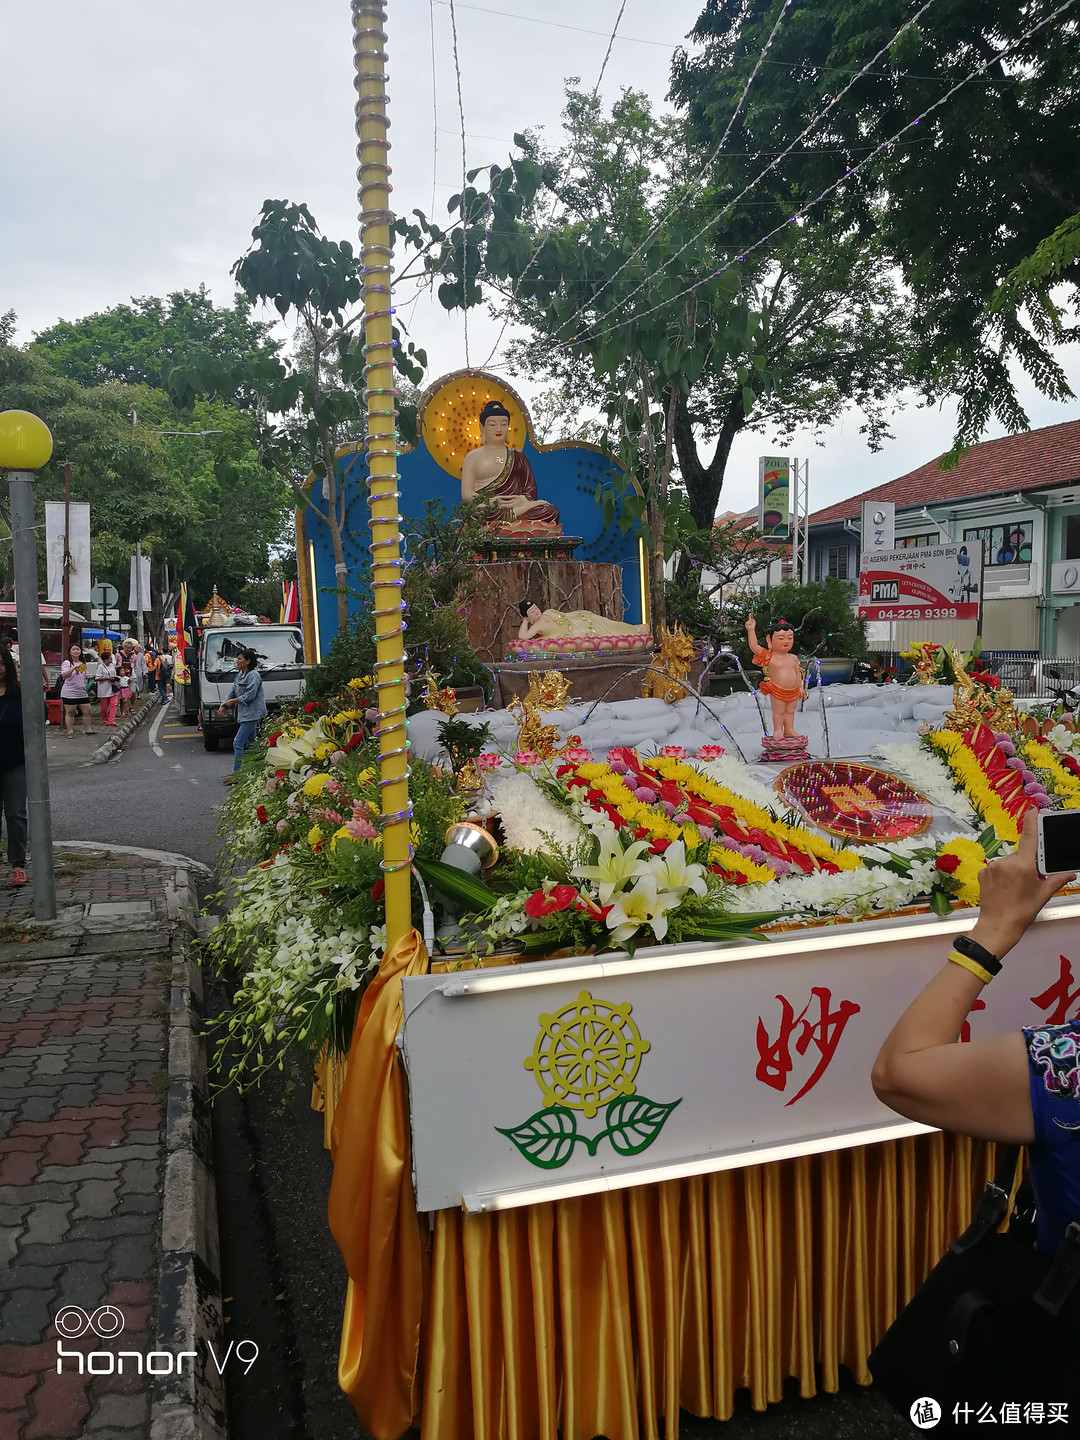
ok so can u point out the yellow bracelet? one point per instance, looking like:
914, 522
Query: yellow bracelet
972, 966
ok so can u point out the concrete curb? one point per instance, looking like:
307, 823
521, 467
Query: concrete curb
116, 742
189, 1406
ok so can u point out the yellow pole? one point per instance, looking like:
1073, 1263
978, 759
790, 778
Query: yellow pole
369, 21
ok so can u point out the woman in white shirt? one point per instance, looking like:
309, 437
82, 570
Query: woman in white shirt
106, 683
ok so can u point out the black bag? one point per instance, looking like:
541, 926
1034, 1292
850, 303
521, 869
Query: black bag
994, 1322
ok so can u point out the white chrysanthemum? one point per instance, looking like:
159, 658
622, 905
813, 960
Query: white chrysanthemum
733, 774
929, 775
531, 821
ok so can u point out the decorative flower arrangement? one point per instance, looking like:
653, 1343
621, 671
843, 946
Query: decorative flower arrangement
593, 856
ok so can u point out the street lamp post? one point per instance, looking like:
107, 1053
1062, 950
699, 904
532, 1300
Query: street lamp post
25, 446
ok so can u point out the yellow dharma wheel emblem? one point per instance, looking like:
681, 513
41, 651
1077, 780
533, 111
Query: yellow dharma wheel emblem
449, 416
586, 1054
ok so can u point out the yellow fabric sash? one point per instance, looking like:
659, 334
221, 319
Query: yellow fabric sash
372, 1211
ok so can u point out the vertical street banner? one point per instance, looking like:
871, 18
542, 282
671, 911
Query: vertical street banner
937, 582
134, 599
78, 549
774, 491
878, 527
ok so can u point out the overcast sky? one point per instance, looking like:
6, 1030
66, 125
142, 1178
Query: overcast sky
141, 138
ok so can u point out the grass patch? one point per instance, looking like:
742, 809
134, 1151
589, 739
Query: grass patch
20, 927
158, 1085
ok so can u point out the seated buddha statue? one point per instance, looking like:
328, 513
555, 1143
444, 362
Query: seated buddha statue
496, 471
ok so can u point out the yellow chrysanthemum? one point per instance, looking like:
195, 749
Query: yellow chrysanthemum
1041, 757
325, 751
972, 858
316, 784
969, 774
314, 836
732, 860
694, 783
361, 682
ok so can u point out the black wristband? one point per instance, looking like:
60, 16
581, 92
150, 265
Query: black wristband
979, 953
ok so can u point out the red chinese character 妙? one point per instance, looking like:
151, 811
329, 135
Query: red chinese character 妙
774, 1063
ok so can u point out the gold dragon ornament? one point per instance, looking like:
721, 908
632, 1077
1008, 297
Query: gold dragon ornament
548, 690
436, 699
675, 656
974, 703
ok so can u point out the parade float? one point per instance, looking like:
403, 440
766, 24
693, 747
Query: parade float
593, 991
609, 1148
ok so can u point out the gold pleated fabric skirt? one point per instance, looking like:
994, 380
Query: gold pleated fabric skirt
606, 1315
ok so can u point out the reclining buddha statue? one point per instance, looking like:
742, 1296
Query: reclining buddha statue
496, 471
574, 632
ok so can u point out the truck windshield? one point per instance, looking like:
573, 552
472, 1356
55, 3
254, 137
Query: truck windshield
276, 649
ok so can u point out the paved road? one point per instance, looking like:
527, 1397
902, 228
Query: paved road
283, 1276
163, 791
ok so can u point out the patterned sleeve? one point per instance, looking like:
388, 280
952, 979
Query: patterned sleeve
1054, 1067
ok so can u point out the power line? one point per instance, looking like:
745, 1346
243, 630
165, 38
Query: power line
677, 45
551, 217
813, 124
705, 168
885, 144
464, 179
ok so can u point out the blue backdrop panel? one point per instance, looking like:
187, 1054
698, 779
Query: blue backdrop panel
567, 475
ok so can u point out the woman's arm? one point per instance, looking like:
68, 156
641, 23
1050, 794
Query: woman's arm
980, 1088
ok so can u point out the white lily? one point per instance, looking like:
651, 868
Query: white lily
671, 872
643, 905
614, 866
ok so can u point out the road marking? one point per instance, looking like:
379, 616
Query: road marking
176, 767
154, 732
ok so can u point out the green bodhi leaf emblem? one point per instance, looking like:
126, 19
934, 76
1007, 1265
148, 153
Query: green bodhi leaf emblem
586, 1056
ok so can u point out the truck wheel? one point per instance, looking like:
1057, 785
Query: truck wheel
210, 742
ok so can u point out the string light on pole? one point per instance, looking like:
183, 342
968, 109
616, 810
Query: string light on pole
381, 449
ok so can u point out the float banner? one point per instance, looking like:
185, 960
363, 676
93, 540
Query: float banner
584, 1075
78, 549
878, 526
940, 582
774, 478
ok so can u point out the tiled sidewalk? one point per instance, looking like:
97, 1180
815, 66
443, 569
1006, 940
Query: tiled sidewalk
82, 1078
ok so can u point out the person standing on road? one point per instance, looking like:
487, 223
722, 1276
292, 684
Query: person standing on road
138, 667
247, 695
73, 694
164, 674
12, 767
106, 683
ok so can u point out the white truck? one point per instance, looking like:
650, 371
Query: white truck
211, 668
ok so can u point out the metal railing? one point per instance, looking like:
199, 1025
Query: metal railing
1031, 675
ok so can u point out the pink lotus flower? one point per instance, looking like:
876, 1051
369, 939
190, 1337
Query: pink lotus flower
527, 757
710, 752
577, 755
674, 752
489, 760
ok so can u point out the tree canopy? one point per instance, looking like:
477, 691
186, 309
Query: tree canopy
956, 201
188, 483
